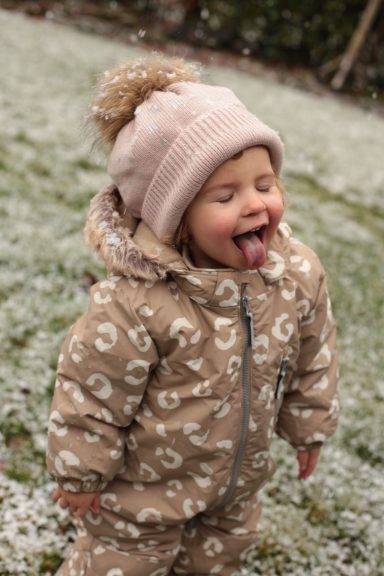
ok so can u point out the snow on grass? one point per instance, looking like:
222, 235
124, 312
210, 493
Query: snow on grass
331, 524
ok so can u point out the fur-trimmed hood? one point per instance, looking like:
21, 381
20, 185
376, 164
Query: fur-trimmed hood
111, 229
129, 248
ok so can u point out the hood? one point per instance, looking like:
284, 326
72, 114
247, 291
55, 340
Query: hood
129, 248
110, 230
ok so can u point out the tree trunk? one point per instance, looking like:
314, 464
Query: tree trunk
355, 43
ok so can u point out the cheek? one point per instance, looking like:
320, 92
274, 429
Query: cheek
208, 224
222, 226
277, 210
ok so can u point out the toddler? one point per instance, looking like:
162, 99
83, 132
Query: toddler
212, 330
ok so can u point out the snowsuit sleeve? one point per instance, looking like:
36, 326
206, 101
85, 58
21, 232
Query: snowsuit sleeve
103, 370
310, 407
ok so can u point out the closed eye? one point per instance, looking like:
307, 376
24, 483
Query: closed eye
264, 188
224, 199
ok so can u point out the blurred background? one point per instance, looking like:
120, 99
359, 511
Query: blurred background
334, 43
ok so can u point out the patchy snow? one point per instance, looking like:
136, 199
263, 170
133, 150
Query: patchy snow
334, 171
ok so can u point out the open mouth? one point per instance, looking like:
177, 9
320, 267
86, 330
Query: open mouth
252, 246
259, 232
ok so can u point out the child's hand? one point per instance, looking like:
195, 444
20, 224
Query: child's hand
307, 460
79, 502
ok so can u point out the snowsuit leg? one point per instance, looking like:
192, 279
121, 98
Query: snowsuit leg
214, 542
130, 550
218, 542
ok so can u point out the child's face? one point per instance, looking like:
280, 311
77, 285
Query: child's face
236, 213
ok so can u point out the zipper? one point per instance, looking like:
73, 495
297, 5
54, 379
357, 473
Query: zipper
281, 377
246, 317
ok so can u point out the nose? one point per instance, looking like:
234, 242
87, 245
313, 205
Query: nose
254, 202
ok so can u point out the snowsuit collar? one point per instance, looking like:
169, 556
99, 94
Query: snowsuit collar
129, 248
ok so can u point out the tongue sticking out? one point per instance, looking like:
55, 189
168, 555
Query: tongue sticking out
252, 248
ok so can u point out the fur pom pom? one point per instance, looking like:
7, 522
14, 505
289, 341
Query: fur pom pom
124, 88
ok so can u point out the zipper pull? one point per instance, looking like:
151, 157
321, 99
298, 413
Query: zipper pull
281, 377
248, 320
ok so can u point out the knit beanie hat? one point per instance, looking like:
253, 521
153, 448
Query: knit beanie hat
168, 134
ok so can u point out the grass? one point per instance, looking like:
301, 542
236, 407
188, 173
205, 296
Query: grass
329, 525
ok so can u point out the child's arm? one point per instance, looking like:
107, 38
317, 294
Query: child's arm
104, 367
309, 411
78, 503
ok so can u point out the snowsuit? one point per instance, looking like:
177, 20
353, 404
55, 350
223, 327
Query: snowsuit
169, 390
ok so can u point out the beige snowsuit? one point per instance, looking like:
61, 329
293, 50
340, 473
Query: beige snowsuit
169, 390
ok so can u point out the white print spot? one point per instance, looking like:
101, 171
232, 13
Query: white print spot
227, 444
194, 281
322, 384
175, 331
303, 307
115, 572
206, 468
142, 345
105, 415
164, 367
300, 410
146, 311
189, 505
94, 519
276, 266
176, 485
326, 353
149, 513
220, 343
233, 367
146, 470
281, 322
335, 408
55, 421
109, 500
261, 347
252, 424
194, 439
222, 409
131, 405
132, 282
132, 442
316, 437
212, 547
142, 366
111, 332
75, 386
99, 299
128, 527
175, 460
91, 438
202, 482
160, 429
232, 286
305, 265
266, 395
75, 343
287, 295
65, 457
115, 454
162, 400
106, 387
196, 364
202, 389
260, 459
